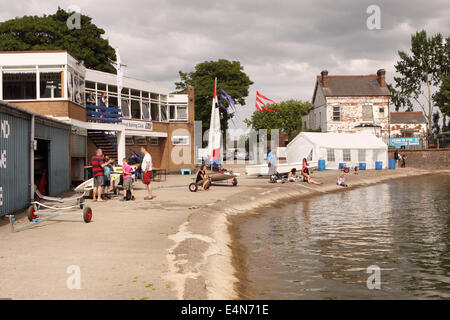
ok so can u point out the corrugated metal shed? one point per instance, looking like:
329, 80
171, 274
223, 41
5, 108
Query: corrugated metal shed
14, 160
15, 144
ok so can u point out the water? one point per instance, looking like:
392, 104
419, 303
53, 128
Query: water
321, 247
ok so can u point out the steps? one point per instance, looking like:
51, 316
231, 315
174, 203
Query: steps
106, 142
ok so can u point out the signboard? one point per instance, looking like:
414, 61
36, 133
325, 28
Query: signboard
137, 125
79, 131
398, 142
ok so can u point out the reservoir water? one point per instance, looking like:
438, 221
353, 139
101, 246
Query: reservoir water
321, 247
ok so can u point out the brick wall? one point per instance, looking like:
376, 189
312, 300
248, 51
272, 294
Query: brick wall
426, 159
54, 108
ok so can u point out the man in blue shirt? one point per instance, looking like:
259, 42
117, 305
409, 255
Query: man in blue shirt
271, 159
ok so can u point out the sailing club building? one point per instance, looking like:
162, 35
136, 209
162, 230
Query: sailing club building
55, 85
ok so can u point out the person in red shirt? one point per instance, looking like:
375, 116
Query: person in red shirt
98, 174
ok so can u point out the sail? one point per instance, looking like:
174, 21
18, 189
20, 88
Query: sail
214, 136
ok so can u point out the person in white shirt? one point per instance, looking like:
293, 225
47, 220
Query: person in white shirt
147, 167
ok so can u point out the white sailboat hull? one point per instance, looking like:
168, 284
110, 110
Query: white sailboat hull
282, 168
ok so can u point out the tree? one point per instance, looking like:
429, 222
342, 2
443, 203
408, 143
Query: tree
442, 100
50, 32
419, 71
436, 127
230, 77
287, 118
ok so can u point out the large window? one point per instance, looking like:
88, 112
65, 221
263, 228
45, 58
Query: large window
50, 84
164, 115
135, 109
178, 113
145, 110
336, 113
346, 155
155, 112
125, 108
19, 85
330, 155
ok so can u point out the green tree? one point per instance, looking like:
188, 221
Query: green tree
419, 72
230, 77
287, 118
50, 32
442, 100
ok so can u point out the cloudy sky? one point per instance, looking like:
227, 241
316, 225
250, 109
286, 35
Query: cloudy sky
281, 44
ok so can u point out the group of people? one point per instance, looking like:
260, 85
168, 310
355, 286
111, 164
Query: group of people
400, 159
101, 173
305, 174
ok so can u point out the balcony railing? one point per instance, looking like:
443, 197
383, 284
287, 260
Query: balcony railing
103, 114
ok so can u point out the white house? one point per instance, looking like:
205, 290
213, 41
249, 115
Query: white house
335, 148
350, 104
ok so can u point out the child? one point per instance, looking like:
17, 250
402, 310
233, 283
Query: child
127, 182
341, 180
293, 175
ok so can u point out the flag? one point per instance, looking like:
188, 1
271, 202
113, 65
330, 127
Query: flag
259, 96
214, 136
119, 72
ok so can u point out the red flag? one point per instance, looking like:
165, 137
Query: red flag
258, 96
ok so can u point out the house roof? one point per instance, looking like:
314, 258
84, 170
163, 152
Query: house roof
341, 140
352, 85
408, 117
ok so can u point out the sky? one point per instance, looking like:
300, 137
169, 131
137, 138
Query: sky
282, 44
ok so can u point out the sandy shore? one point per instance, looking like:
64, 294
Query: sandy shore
176, 246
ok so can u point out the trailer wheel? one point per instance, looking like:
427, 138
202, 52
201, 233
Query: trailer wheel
193, 187
32, 213
87, 214
346, 170
82, 203
234, 182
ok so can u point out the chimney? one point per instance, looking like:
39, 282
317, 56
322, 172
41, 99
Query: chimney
381, 77
324, 74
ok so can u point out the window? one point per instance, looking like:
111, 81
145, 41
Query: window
361, 155
125, 108
346, 155
145, 111
336, 113
142, 141
154, 141
50, 85
180, 140
178, 113
154, 111
129, 141
330, 155
164, 112
381, 110
19, 85
135, 109
367, 113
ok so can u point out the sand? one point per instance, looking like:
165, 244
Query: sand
176, 246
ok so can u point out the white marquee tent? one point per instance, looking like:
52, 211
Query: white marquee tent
335, 148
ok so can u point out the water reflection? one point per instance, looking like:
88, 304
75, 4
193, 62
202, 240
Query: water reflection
321, 247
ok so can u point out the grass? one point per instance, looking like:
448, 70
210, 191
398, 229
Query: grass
189, 217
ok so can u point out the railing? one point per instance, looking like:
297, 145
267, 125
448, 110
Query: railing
103, 114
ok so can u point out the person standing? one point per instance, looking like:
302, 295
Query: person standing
127, 180
404, 161
396, 157
98, 174
147, 167
107, 169
271, 164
